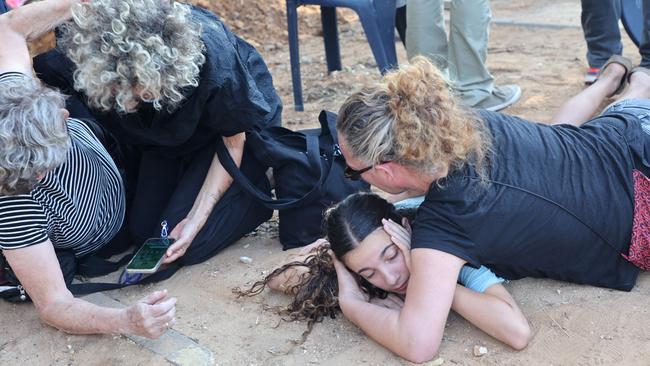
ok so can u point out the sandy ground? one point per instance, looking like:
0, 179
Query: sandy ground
572, 325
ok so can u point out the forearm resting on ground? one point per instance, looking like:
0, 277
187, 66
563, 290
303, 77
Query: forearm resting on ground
495, 312
37, 269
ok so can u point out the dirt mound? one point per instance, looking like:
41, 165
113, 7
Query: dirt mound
262, 22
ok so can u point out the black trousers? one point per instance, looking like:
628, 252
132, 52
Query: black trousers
166, 190
162, 187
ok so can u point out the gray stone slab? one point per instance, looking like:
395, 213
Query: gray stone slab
174, 346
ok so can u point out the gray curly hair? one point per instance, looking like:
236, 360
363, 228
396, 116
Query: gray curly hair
128, 51
33, 134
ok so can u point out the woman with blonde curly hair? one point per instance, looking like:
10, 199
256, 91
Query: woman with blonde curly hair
568, 201
170, 80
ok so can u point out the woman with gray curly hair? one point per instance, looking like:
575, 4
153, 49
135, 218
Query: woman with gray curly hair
169, 80
61, 194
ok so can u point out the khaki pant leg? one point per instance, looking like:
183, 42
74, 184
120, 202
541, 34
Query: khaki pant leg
468, 39
425, 30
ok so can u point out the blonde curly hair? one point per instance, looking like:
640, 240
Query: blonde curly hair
412, 118
128, 51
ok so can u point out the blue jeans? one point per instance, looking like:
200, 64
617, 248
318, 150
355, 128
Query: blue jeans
640, 108
600, 26
644, 47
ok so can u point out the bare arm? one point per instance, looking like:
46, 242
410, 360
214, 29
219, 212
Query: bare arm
416, 331
33, 20
26, 23
38, 270
214, 186
495, 312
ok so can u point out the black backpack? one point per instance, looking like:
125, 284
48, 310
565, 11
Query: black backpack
308, 171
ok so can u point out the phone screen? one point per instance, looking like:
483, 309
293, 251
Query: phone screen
150, 254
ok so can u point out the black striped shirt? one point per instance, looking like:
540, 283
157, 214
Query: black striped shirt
79, 205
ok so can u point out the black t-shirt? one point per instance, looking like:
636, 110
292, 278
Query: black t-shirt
559, 202
235, 92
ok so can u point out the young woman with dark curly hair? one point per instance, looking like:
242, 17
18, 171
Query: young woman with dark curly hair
356, 236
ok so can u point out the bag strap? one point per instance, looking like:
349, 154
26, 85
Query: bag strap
89, 288
313, 156
93, 266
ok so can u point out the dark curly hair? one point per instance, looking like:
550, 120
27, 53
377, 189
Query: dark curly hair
315, 296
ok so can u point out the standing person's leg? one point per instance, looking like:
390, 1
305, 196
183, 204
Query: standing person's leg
469, 32
235, 215
468, 40
644, 48
400, 23
600, 26
425, 31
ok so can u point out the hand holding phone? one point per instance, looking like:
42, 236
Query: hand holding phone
150, 256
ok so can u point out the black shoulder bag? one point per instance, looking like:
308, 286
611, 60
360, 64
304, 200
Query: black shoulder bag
308, 171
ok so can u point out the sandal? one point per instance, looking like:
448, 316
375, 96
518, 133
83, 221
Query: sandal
644, 70
626, 63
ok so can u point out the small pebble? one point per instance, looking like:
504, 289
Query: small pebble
437, 362
246, 260
480, 351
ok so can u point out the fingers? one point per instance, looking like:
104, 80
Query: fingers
175, 251
178, 245
155, 297
407, 225
398, 233
307, 249
153, 316
163, 307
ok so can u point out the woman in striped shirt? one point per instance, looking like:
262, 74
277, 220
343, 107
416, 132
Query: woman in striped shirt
59, 189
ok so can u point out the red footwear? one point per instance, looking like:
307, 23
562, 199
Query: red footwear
591, 75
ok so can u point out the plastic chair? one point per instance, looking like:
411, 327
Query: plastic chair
632, 19
377, 18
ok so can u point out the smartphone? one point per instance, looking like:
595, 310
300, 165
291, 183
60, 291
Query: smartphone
150, 256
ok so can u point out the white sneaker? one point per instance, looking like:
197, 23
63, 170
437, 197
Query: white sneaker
502, 97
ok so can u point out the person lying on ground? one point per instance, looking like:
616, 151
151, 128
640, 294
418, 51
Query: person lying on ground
60, 191
567, 201
169, 80
357, 238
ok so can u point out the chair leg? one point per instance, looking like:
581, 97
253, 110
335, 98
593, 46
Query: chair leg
331, 38
371, 28
294, 54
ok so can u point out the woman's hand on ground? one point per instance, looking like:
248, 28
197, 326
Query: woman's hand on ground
292, 275
184, 233
308, 248
152, 316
